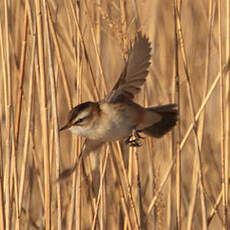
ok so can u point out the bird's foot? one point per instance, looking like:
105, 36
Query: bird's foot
134, 139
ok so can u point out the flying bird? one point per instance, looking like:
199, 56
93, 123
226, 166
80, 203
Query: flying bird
117, 116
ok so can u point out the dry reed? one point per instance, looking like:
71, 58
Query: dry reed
57, 54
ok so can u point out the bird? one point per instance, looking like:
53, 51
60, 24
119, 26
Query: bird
117, 116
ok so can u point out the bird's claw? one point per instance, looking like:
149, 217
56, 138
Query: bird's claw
137, 135
133, 143
134, 139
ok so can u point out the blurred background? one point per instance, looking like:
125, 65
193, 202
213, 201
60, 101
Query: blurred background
57, 54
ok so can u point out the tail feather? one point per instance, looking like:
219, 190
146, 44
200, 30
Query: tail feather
169, 115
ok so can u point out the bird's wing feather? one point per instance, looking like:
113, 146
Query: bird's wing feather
91, 145
135, 71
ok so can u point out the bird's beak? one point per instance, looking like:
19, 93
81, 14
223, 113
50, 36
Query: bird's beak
65, 127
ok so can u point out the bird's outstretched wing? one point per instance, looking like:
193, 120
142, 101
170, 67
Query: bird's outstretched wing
135, 71
87, 147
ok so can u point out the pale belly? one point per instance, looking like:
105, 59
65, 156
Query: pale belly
112, 131
116, 127
117, 123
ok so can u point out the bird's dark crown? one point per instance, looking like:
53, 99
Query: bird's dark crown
77, 109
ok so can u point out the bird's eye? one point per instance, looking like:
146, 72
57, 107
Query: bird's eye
78, 121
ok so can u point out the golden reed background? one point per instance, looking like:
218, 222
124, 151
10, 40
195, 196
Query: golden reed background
56, 54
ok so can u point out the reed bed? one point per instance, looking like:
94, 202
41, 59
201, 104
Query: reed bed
57, 54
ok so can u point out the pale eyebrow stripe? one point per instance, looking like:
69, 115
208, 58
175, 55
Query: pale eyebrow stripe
83, 118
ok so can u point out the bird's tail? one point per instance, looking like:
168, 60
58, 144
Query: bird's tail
169, 114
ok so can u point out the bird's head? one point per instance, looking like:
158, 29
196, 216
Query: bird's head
82, 117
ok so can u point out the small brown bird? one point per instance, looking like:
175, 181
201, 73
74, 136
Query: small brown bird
116, 116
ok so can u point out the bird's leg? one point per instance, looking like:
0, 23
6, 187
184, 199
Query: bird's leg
134, 139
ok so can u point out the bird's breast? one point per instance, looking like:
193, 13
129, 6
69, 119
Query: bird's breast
117, 121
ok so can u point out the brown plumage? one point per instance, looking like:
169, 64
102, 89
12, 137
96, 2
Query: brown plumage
116, 116
169, 116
